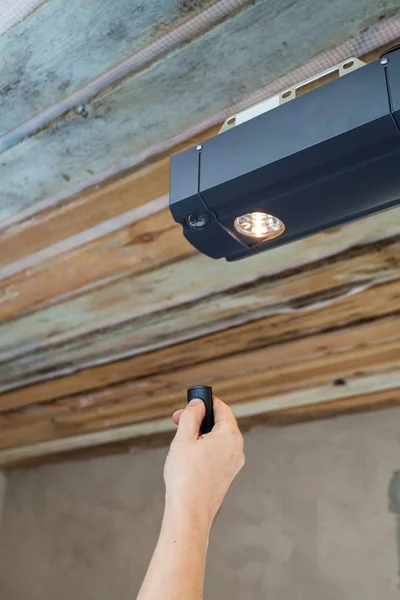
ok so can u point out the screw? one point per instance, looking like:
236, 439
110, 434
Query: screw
384, 60
199, 147
81, 110
197, 221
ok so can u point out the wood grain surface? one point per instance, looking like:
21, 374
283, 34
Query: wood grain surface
37, 77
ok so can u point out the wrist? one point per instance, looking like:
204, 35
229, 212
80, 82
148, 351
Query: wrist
187, 515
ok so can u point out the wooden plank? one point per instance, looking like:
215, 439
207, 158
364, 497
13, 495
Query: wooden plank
145, 245
20, 245
193, 353
150, 243
129, 404
320, 410
358, 391
225, 54
332, 357
276, 329
33, 77
149, 377
179, 283
326, 410
285, 300
80, 214
285, 321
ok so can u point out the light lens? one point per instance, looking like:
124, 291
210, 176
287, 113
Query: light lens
259, 225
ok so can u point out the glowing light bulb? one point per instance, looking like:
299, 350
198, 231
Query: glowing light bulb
259, 225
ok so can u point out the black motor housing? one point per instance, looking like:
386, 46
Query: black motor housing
320, 160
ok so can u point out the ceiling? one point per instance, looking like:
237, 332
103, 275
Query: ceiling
107, 314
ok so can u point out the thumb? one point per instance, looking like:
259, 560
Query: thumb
190, 420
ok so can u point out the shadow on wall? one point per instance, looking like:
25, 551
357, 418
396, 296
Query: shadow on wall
394, 507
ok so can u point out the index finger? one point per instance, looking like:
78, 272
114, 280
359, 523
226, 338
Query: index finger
223, 414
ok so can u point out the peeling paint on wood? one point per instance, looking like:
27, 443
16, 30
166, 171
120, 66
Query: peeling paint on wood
131, 406
150, 243
23, 241
147, 245
204, 353
80, 214
181, 283
373, 345
281, 324
85, 39
223, 60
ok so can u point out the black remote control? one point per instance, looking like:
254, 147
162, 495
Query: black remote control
204, 392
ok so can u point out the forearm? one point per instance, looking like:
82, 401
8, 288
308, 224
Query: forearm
198, 472
176, 571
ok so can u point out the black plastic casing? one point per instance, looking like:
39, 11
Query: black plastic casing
203, 392
320, 160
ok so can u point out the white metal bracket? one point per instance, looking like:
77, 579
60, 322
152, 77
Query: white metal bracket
347, 66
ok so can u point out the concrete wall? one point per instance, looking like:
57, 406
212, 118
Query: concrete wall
2, 493
308, 518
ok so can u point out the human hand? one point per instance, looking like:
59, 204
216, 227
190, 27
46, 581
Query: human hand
199, 470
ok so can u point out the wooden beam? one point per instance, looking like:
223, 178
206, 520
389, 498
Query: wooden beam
364, 393
320, 410
148, 244
323, 291
291, 323
209, 359
36, 78
324, 359
326, 410
82, 214
258, 334
38, 238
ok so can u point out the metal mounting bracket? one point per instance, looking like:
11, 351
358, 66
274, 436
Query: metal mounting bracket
347, 66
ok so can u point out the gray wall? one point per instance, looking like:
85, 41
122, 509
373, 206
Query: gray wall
3, 481
308, 518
